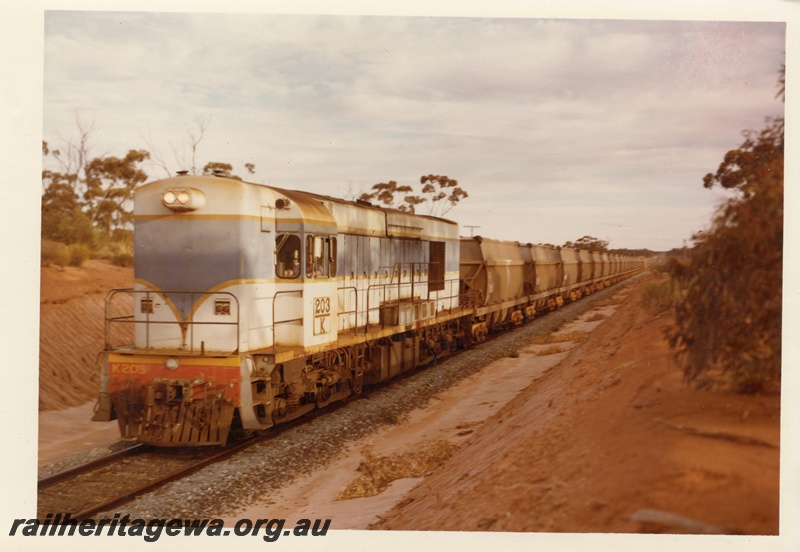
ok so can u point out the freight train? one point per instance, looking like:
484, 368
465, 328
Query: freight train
254, 305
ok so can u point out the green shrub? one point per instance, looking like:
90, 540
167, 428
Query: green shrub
62, 218
79, 253
121, 252
122, 259
117, 251
727, 327
660, 295
54, 253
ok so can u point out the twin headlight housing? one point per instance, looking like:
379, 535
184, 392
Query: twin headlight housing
183, 199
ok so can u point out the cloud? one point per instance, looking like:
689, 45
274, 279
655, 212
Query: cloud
577, 110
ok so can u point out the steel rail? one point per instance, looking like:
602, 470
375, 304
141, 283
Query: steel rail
51, 480
175, 475
131, 494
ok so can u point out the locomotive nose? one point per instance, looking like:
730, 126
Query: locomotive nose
174, 413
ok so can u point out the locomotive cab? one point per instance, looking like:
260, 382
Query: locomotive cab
304, 307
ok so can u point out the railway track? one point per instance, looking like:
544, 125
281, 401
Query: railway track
115, 479
50, 480
107, 483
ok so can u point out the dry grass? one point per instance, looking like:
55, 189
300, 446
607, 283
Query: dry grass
552, 350
378, 471
596, 317
467, 425
559, 338
615, 299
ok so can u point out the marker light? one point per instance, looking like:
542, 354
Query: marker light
183, 199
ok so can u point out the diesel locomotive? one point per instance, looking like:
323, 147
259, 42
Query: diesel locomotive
253, 305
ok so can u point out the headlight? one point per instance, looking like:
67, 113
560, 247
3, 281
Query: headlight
183, 199
171, 363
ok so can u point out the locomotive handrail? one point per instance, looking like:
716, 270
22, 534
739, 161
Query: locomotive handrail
189, 324
353, 312
275, 322
411, 299
412, 277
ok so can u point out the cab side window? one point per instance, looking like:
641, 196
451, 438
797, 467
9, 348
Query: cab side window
287, 255
332, 252
312, 268
320, 257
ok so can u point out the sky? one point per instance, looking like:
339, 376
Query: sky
556, 128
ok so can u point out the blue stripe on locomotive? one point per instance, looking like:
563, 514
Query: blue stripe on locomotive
199, 254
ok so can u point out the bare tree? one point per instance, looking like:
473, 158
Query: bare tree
196, 137
74, 157
157, 160
184, 154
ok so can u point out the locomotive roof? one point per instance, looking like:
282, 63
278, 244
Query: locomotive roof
357, 203
311, 196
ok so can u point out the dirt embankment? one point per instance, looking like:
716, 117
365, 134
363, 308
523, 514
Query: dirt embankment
611, 440
71, 330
